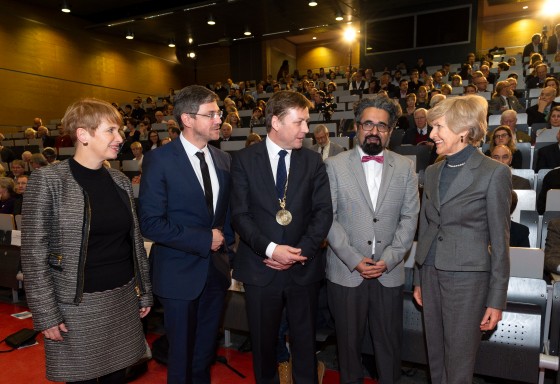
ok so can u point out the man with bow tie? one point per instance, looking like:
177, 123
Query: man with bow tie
375, 204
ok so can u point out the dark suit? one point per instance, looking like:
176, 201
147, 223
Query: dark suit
550, 181
188, 278
254, 205
466, 277
519, 182
529, 48
496, 104
552, 247
552, 44
412, 137
548, 157
534, 116
535, 82
519, 235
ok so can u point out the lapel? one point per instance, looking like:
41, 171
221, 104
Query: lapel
434, 191
388, 170
266, 177
355, 166
465, 177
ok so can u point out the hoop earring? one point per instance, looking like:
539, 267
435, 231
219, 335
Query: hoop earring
86, 143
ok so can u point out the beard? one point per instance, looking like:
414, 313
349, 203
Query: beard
372, 148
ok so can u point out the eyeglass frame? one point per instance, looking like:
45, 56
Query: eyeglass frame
501, 135
386, 128
211, 115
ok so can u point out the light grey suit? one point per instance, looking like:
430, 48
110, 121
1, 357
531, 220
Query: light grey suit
334, 149
467, 276
352, 299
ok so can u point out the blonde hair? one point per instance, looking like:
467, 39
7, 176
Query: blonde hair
88, 114
463, 113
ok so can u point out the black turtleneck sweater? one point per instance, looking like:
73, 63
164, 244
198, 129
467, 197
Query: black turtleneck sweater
109, 247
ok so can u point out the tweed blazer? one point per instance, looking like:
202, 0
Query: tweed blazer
393, 222
53, 228
470, 224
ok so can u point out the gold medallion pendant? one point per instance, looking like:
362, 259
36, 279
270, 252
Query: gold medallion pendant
283, 217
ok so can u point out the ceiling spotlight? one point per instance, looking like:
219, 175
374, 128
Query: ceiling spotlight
211, 21
314, 37
247, 32
525, 7
65, 7
339, 17
312, 3
191, 55
129, 35
171, 43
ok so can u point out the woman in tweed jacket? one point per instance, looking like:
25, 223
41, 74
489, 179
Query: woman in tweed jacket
85, 267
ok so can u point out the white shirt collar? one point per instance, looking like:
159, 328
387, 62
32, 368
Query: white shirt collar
274, 148
191, 149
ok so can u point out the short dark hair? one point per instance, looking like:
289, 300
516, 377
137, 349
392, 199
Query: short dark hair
379, 102
189, 99
279, 104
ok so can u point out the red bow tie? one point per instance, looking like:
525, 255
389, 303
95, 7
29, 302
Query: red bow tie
379, 159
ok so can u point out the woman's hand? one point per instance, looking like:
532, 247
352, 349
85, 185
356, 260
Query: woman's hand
418, 295
144, 311
53, 333
490, 319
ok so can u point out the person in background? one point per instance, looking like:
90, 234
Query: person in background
502, 153
88, 309
502, 136
7, 195
460, 281
518, 233
323, 143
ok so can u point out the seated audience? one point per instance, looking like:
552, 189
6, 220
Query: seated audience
37, 161
30, 134
456, 81
358, 85
44, 135
554, 83
419, 133
410, 106
502, 153
535, 46
252, 138
470, 89
136, 148
234, 120
518, 233
509, 118
63, 140
539, 112
6, 154
550, 181
423, 98
50, 155
26, 156
323, 143
144, 127
538, 77
20, 186
414, 82
503, 136
173, 132
257, 118
7, 195
552, 247
548, 157
446, 89
436, 99
17, 168
503, 99
153, 140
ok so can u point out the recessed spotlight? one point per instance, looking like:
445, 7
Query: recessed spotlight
192, 55
130, 35
339, 17
65, 7
314, 37
171, 43
312, 3
525, 7
190, 40
211, 21
247, 32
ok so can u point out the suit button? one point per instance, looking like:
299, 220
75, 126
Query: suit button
440, 238
369, 242
375, 220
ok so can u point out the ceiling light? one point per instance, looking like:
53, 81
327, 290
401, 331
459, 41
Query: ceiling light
339, 16
525, 7
247, 32
129, 35
192, 55
65, 7
190, 40
314, 37
312, 3
171, 43
211, 21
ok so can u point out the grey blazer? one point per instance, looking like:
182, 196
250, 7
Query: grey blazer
473, 216
355, 222
334, 149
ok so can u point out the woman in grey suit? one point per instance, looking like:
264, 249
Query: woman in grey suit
460, 281
86, 271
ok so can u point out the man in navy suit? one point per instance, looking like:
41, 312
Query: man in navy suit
281, 208
184, 200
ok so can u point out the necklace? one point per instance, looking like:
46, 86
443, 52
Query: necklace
456, 165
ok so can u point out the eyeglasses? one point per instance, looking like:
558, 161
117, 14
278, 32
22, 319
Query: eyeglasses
501, 136
210, 115
369, 125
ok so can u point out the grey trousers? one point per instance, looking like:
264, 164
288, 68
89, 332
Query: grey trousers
352, 309
453, 306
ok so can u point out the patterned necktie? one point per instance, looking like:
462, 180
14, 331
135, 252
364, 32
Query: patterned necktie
207, 183
281, 174
379, 159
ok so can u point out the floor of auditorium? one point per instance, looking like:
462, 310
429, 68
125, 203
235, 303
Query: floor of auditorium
26, 366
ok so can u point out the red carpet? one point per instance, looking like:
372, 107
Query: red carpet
27, 366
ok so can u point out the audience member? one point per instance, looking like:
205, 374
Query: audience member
234, 120
518, 233
410, 106
37, 122
446, 89
136, 148
153, 140
30, 134
509, 118
7, 195
548, 157
63, 139
323, 143
37, 161
6, 154
144, 127
17, 167
26, 156
44, 134
414, 82
436, 99
550, 181
359, 84
420, 132
503, 135
503, 154
174, 133
538, 78
471, 89
257, 118
535, 46
554, 41
137, 111
252, 138
503, 99
539, 112
423, 99
132, 134
50, 155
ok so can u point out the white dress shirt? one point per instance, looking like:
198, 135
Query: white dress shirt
373, 172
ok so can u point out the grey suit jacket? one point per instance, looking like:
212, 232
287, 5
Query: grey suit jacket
393, 222
496, 103
473, 215
334, 149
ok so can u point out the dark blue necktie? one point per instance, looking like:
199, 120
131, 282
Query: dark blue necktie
281, 174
